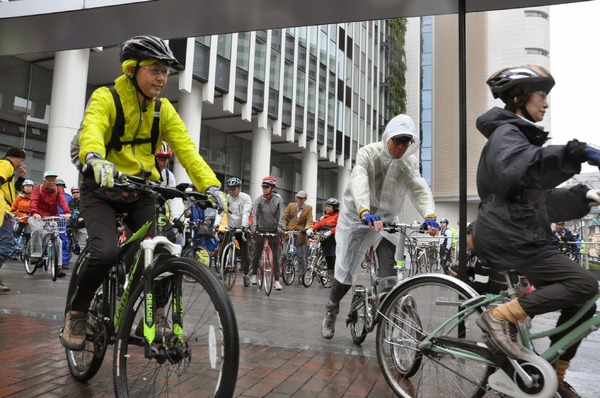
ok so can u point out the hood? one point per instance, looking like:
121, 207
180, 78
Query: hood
496, 117
401, 125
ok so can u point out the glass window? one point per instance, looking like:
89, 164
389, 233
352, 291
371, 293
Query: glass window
274, 70
243, 48
300, 88
224, 46
260, 55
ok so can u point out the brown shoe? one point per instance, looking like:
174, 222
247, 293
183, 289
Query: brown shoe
61, 272
73, 335
502, 333
3, 288
566, 391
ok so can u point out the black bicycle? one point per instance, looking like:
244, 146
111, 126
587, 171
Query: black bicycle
194, 350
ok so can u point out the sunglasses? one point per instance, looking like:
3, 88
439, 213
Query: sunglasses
74, 192
402, 140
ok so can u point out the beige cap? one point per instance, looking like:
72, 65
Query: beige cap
301, 194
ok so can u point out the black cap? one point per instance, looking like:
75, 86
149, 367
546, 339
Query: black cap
14, 152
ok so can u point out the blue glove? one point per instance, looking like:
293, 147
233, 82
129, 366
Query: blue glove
370, 218
592, 155
432, 223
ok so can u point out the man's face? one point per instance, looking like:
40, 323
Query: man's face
75, 194
233, 191
536, 105
300, 200
152, 79
398, 145
16, 162
266, 189
560, 227
50, 182
162, 162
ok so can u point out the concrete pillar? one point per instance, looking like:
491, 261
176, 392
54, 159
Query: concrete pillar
310, 170
261, 158
190, 110
342, 182
69, 83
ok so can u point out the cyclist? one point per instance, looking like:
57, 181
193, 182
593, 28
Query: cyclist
14, 160
46, 198
167, 179
445, 244
267, 214
298, 216
384, 174
76, 222
145, 62
64, 238
516, 180
20, 207
328, 223
238, 216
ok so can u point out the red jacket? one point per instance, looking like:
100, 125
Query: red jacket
327, 222
45, 204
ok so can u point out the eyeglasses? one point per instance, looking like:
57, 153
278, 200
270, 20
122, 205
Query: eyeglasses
402, 140
155, 71
266, 186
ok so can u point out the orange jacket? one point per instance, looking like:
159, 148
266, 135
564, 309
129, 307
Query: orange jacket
327, 222
20, 207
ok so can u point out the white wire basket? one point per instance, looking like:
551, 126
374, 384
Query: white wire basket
55, 224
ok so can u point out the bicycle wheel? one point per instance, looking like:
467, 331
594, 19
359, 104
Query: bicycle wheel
84, 364
289, 271
29, 267
309, 276
267, 272
229, 274
200, 357
199, 254
357, 319
413, 310
52, 258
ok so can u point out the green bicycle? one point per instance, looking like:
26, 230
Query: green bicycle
195, 348
443, 355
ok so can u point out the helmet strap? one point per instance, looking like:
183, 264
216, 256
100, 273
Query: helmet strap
133, 80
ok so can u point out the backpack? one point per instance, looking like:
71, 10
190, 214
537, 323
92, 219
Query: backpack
118, 131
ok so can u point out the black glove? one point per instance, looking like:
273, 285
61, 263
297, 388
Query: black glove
178, 224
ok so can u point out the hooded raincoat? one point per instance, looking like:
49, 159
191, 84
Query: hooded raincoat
516, 180
378, 183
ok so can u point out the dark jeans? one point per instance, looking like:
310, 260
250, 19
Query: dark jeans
561, 285
258, 248
100, 220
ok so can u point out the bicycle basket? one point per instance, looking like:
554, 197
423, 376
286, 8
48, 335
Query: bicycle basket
52, 224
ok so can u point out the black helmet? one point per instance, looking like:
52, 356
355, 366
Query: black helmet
333, 202
518, 81
149, 47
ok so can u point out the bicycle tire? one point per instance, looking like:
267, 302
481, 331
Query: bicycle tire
208, 352
52, 259
199, 254
309, 276
29, 267
289, 271
84, 364
434, 299
357, 319
267, 270
229, 273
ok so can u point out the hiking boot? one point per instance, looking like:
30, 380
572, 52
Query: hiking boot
328, 325
3, 288
161, 326
253, 280
246, 281
565, 390
61, 272
277, 285
73, 334
502, 333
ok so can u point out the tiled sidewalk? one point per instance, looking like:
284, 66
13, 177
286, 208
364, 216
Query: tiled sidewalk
33, 364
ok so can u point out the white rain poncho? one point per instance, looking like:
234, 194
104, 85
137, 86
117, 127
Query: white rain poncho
380, 184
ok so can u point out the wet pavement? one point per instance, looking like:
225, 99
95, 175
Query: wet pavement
282, 352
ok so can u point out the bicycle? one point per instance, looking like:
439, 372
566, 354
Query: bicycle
317, 265
21, 238
363, 315
229, 268
52, 226
198, 348
437, 350
193, 248
290, 260
266, 272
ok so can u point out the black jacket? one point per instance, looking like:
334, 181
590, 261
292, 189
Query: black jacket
516, 180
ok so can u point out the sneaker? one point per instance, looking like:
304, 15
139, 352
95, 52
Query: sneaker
328, 325
502, 333
277, 285
61, 272
73, 334
246, 281
253, 280
161, 326
565, 390
3, 288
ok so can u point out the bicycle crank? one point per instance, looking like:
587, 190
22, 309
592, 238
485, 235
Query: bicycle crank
530, 376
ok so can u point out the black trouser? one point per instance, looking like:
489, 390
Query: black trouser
560, 285
445, 257
258, 248
100, 220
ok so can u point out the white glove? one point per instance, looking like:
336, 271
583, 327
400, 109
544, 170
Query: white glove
593, 195
309, 231
326, 234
